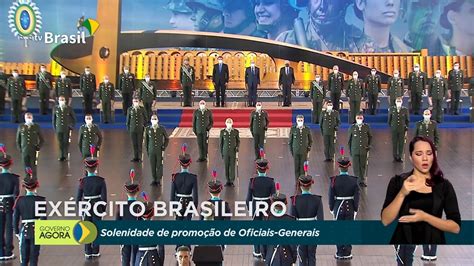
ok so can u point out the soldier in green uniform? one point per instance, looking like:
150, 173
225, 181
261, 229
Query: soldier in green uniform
398, 120
318, 95
126, 85
44, 84
395, 87
63, 87
417, 81
136, 120
87, 85
64, 120
3, 89
372, 89
455, 83
89, 134
202, 124
360, 139
427, 128
156, 141
239, 18
229, 142
335, 85
207, 15
329, 125
258, 127
147, 92
299, 142
29, 141
186, 78
17, 91
106, 97
354, 93
437, 92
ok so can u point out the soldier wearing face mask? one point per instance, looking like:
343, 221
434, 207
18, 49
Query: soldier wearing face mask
360, 141
417, 81
147, 92
126, 85
372, 89
64, 121
336, 84
229, 142
136, 120
156, 141
329, 125
398, 120
437, 92
44, 84
87, 85
17, 91
455, 83
318, 94
427, 128
107, 96
395, 87
187, 78
29, 141
63, 87
299, 142
258, 127
202, 124
89, 134
354, 93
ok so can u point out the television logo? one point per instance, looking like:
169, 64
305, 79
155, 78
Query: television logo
64, 232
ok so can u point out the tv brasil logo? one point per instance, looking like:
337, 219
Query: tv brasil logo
64, 232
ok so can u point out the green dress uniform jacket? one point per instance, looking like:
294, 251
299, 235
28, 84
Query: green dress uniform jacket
455, 84
300, 142
89, 136
354, 93
428, 130
106, 96
156, 141
438, 91
136, 120
329, 126
360, 140
44, 84
29, 140
417, 82
318, 94
64, 120
186, 79
63, 87
395, 89
202, 123
398, 120
258, 126
336, 85
229, 142
17, 91
372, 90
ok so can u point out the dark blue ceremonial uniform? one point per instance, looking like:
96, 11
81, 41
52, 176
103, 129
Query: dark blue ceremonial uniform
184, 189
343, 202
128, 253
9, 189
150, 255
93, 189
307, 207
260, 190
24, 211
280, 255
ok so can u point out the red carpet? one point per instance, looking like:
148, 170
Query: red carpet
241, 117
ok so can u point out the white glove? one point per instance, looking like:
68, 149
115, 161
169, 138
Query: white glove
18, 236
355, 214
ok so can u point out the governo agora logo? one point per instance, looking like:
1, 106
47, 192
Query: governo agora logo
24, 19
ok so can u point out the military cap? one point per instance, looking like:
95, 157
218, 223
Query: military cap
131, 186
279, 197
215, 186
91, 162
5, 160
178, 6
29, 182
184, 159
344, 162
305, 180
261, 164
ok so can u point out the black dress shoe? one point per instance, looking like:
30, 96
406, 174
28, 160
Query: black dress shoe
232, 184
328, 160
154, 183
227, 184
362, 184
201, 160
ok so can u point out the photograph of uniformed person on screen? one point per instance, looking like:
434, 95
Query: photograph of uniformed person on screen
378, 18
274, 16
418, 199
207, 15
181, 15
239, 18
457, 19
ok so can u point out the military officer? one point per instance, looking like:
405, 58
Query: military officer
336, 84
135, 122
202, 124
318, 95
3, 89
126, 86
280, 255
258, 127
9, 190
44, 84
398, 120
29, 141
107, 99
300, 141
360, 140
307, 207
24, 213
395, 87
147, 92
92, 189
260, 189
87, 84
184, 186
63, 87
372, 89
152, 255
417, 81
428, 128
64, 120
229, 142
186, 79
343, 201
437, 92
128, 253
329, 126
156, 141
17, 92
354, 93
455, 84
89, 134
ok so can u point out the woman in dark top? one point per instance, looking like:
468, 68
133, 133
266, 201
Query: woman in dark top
417, 199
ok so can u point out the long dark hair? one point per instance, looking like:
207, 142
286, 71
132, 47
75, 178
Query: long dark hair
437, 175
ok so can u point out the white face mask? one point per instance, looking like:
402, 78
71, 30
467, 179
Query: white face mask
456, 68
125, 71
228, 125
359, 121
335, 71
398, 104
106, 80
318, 79
88, 122
300, 123
395, 75
202, 106
154, 122
220, 61
258, 107
43, 69
135, 104
417, 69
63, 76
355, 77
329, 107
373, 72
438, 75
62, 103
15, 75
427, 117
147, 79
252, 64
88, 72
28, 121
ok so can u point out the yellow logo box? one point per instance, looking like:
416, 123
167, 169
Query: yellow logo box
64, 232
